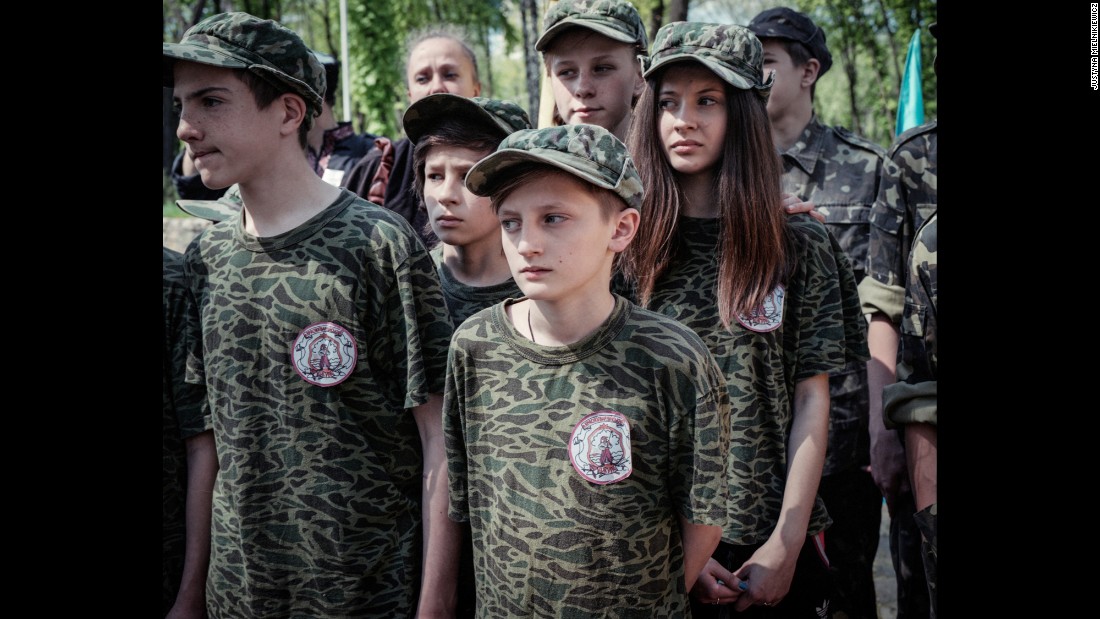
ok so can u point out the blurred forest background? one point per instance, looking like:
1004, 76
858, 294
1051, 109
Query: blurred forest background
868, 39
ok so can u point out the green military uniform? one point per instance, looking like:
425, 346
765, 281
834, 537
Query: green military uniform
907, 196
566, 523
317, 343
463, 300
913, 399
183, 417
762, 367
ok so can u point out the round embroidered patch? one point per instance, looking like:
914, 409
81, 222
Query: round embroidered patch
600, 447
324, 354
768, 316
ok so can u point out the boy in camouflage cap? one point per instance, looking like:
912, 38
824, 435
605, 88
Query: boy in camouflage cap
838, 171
590, 430
592, 51
324, 337
450, 133
766, 291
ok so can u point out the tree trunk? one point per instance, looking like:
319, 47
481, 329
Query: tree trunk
677, 11
529, 14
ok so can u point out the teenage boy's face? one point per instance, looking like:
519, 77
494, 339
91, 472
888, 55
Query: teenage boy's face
226, 134
594, 79
556, 239
440, 65
787, 87
458, 217
692, 118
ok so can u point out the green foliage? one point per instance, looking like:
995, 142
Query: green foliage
869, 40
377, 38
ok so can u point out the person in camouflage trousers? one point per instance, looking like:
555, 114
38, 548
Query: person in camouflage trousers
771, 294
187, 443
912, 402
324, 334
839, 172
587, 437
906, 199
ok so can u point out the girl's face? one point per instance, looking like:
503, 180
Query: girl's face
458, 217
691, 118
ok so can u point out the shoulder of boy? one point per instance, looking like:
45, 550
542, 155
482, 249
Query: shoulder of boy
911, 134
858, 141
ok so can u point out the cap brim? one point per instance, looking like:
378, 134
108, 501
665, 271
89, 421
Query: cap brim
486, 174
210, 210
566, 24
425, 113
728, 76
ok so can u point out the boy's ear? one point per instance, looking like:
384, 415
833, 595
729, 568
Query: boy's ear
626, 226
810, 71
294, 113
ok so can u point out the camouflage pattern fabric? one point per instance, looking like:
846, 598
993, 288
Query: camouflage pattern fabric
420, 116
183, 417
317, 503
225, 207
761, 368
918, 325
263, 46
907, 196
926, 521
548, 542
615, 19
463, 300
732, 52
589, 152
913, 398
839, 172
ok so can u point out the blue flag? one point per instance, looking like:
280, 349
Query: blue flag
911, 101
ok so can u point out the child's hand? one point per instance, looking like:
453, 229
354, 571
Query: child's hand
717, 585
768, 572
792, 205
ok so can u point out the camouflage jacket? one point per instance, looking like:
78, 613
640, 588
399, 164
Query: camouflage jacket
913, 398
839, 172
907, 196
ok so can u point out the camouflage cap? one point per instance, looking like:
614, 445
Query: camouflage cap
420, 116
225, 207
586, 151
784, 23
732, 52
262, 46
615, 19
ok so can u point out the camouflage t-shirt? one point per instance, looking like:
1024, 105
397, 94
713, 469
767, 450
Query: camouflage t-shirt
183, 417
839, 172
907, 197
464, 301
572, 463
807, 337
317, 342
